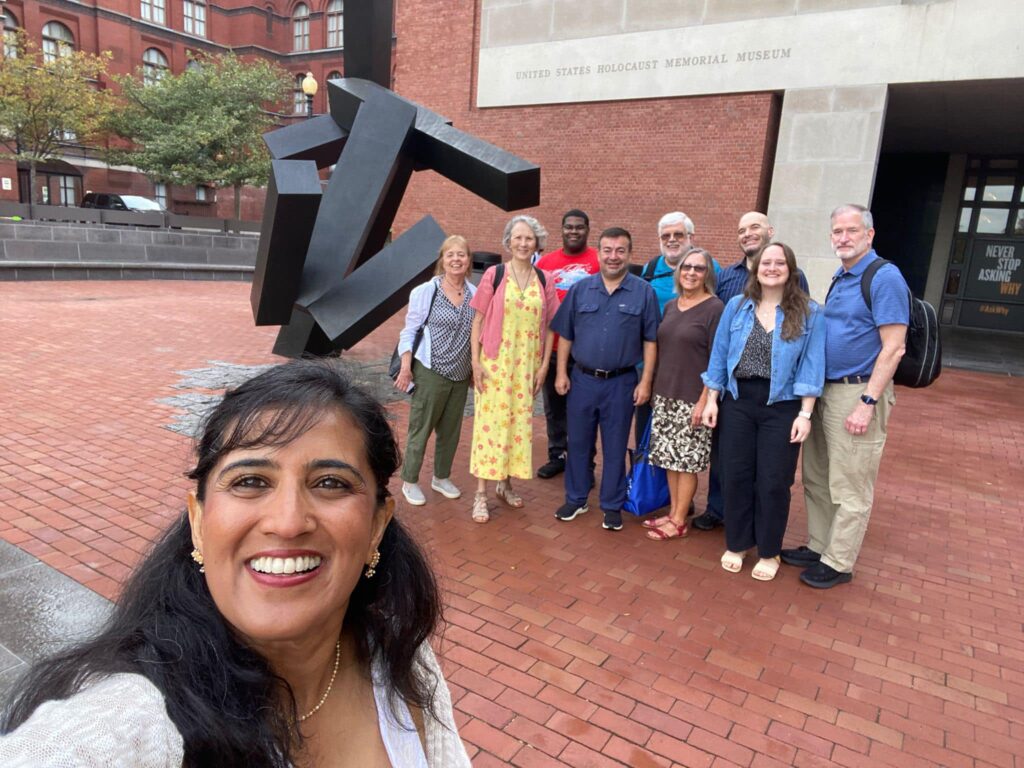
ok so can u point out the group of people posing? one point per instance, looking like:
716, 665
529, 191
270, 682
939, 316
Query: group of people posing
732, 369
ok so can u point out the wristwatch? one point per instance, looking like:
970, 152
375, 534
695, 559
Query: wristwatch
867, 399
805, 414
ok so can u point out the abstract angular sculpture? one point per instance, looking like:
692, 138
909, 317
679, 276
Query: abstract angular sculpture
322, 269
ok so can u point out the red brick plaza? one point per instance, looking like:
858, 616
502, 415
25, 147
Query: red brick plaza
567, 644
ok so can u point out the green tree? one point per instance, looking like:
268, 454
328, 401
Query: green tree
43, 104
203, 126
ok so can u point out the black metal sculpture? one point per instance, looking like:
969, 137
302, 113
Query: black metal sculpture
324, 269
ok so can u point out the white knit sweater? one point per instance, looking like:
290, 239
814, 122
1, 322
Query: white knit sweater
121, 722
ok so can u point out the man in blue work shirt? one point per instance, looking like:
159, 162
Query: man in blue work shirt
608, 323
863, 347
753, 233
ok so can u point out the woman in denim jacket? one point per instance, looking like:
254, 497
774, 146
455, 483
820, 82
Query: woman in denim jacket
769, 361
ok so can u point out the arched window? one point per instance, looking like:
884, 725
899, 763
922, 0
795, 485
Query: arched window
334, 75
193, 66
298, 97
194, 17
153, 10
300, 28
57, 41
10, 35
154, 66
335, 23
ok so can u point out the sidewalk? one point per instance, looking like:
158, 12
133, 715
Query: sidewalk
566, 644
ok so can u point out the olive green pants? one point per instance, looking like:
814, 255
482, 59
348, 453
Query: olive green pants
437, 406
839, 472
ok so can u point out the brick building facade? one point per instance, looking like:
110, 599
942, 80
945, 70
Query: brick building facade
625, 163
298, 36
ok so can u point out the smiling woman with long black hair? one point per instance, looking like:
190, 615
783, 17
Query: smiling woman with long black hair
283, 621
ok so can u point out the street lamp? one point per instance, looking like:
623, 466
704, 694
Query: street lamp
309, 86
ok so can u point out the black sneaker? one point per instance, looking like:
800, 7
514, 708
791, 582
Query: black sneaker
801, 556
823, 576
706, 522
551, 469
612, 521
568, 512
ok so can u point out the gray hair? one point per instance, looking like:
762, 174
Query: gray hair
676, 217
538, 231
865, 215
710, 278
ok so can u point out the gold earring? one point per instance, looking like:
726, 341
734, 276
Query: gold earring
371, 569
198, 557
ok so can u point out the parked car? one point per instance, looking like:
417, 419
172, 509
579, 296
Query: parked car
120, 202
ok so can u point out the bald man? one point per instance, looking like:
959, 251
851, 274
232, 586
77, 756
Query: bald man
753, 233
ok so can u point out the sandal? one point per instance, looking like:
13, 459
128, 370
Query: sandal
656, 522
504, 492
733, 561
766, 569
660, 534
480, 513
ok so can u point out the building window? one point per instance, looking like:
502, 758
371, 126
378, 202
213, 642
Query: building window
10, 35
57, 41
154, 66
153, 10
193, 66
195, 17
300, 28
160, 193
204, 194
298, 96
66, 189
335, 23
334, 75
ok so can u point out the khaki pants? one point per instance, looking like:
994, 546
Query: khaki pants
839, 471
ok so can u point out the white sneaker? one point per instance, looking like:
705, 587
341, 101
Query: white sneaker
446, 488
413, 494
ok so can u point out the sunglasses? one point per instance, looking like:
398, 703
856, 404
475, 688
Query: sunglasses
666, 236
698, 268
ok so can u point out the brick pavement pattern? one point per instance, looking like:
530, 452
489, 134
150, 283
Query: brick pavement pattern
567, 644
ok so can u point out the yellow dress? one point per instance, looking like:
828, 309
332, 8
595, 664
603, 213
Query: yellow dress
503, 413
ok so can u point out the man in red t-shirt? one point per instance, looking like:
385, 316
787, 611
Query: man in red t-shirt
568, 265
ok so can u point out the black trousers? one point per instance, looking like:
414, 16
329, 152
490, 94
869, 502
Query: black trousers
757, 467
554, 411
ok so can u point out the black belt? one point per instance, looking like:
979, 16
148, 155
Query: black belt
849, 380
602, 374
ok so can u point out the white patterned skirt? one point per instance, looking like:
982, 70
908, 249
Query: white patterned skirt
675, 444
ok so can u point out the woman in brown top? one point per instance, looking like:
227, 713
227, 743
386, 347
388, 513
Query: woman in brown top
679, 443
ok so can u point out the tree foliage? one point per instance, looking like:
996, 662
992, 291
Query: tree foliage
45, 103
203, 126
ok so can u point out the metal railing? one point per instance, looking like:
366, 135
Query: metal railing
73, 215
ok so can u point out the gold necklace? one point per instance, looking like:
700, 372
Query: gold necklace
522, 288
334, 674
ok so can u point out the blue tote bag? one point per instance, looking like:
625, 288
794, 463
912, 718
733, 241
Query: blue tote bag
647, 489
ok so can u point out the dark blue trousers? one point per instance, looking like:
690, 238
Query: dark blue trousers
592, 404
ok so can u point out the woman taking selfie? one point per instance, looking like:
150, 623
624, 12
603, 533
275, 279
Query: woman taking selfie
282, 621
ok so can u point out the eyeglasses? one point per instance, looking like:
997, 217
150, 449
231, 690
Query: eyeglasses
698, 268
666, 236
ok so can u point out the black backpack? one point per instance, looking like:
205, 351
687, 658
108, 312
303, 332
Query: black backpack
499, 273
921, 363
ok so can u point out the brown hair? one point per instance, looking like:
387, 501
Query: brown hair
795, 301
448, 243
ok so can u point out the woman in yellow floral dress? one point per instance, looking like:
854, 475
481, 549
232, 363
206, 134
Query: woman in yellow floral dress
511, 347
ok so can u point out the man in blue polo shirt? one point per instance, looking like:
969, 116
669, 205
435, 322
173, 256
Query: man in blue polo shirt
608, 323
844, 450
